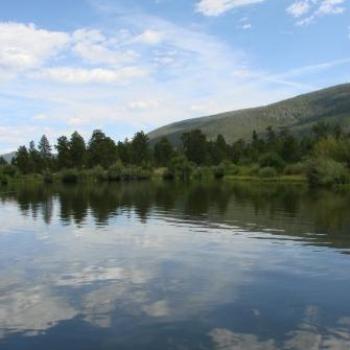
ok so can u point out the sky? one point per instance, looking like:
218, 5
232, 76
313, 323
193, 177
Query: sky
129, 65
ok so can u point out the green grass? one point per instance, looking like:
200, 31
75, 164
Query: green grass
279, 178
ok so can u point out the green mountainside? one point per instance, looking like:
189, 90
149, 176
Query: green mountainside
299, 114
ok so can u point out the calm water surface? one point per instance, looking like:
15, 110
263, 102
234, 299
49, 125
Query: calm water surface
164, 266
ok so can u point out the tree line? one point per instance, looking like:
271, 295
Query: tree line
270, 152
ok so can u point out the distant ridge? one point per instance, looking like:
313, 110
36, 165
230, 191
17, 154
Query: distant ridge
8, 156
298, 114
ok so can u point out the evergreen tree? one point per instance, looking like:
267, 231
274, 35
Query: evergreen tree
238, 150
124, 151
3, 161
63, 153
290, 150
35, 158
140, 152
219, 150
163, 152
101, 150
195, 146
77, 148
45, 152
22, 160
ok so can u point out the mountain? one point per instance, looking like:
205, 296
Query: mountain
8, 156
298, 114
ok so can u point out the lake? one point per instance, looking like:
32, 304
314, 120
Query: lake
153, 265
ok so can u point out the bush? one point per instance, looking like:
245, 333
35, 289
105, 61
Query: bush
271, 159
134, 172
252, 170
181, 167
48, 178
9, 170
327, 172
70, 176
219, 171
3, 180
232, 169
114, 173
98, 173
267, 172
168, 175
295, 169
202, 173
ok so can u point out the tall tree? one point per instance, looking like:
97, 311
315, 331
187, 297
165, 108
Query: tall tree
77, 148
101, 150
63, 153
22, 160
290, 149
163, 152
195, 146
35, 158
219, 150
124, 151
45, 152
3, 161
238, 150
140, 152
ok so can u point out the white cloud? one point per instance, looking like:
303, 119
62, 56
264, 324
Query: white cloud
244, 24
150, 37
299, 8
143, 104
24, 46
218, 7
331, 7
95, 48
86, 76
307, 11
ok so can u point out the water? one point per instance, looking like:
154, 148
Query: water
164, 266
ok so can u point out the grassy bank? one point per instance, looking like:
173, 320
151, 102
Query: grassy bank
321, 173
281, 178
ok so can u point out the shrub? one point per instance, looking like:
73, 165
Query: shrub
295, 169
114, 173
202, 173
181, 167
70, 176
134, 172
3, 180
271, 159
232, 169
168, 175
98, 173
252, 170
326, 172
219, 171
9, 170
48, 178
267, 172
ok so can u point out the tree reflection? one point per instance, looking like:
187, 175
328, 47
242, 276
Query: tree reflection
292, 209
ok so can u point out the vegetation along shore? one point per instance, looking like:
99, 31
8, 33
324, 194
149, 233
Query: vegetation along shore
322, 158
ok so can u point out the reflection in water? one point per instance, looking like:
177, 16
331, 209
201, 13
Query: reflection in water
174, 266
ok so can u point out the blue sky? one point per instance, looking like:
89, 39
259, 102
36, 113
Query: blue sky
127, 65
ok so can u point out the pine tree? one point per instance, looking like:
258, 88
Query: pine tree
140, 152
63, 153
163, 152
45, 152
101, 150
77, 150
22, 160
